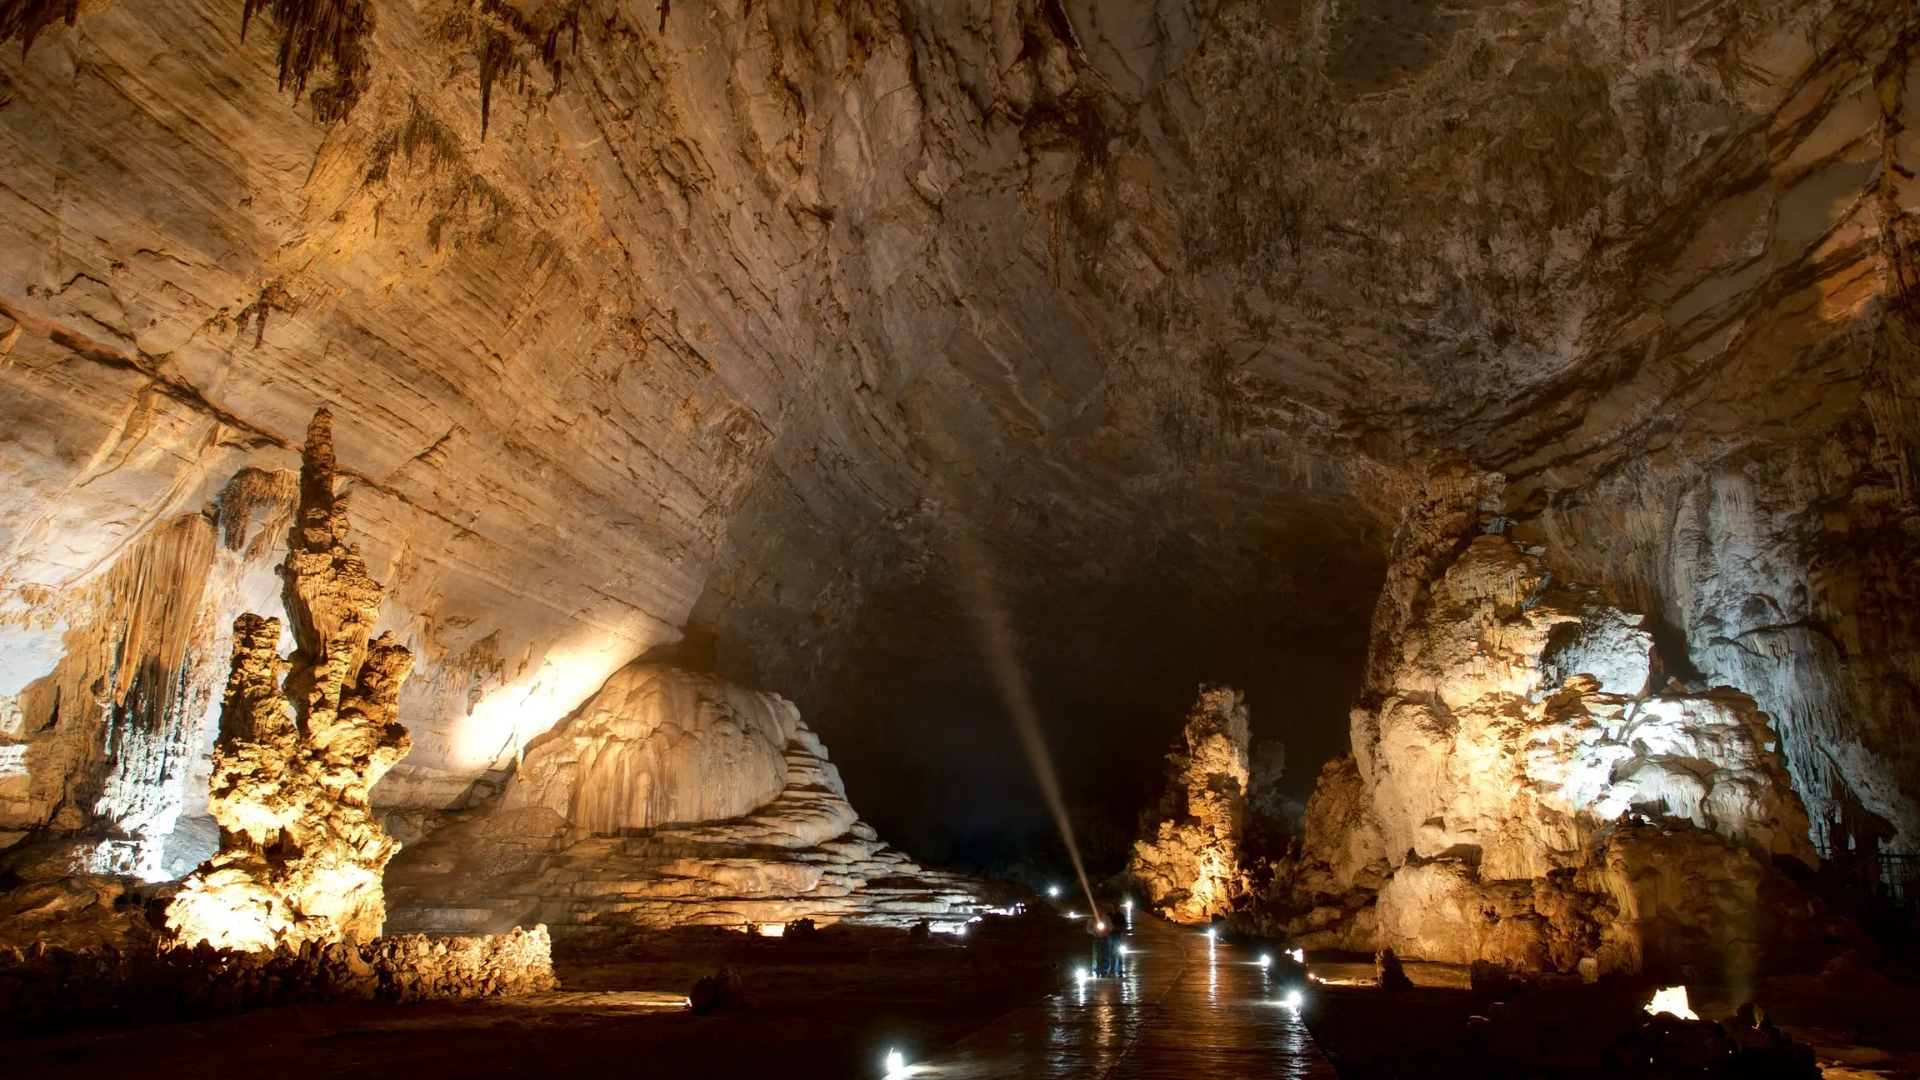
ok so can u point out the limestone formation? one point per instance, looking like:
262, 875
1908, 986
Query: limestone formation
1519, 792
670, 799
1189, 864
302, 743
1188, 290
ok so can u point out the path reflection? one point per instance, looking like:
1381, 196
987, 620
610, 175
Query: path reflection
1183, 1007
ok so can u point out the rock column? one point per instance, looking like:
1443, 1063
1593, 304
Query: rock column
1190, 864
302, 742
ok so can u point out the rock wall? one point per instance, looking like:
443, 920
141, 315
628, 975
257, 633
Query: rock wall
1189, 863
669, 799
302, 743
1520, 789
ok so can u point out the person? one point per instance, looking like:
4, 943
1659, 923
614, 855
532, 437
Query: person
1105, 952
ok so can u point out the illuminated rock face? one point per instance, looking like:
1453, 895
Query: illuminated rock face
682, 338
669, 799
658, 746
302, 743
1190, 865
1505, 751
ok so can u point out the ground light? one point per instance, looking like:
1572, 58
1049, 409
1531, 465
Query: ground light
896, 1065
1266, 962
1080, 975
1293, 1000
1672, 1000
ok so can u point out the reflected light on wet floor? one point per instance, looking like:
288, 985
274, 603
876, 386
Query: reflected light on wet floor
1184, 1006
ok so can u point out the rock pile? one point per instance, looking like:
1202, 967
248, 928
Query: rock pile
45, 986
1189, 864
670, 798
302, 743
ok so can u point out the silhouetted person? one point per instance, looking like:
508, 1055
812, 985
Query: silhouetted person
1100, 925
1391, 974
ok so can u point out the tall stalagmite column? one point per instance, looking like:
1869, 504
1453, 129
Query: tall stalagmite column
1190, 865
301, 854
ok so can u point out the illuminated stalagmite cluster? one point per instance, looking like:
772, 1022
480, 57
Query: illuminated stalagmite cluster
1521, 790
302, 743
1190, 864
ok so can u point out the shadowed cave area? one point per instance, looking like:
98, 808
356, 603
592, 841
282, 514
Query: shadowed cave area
960, 538
1112, 651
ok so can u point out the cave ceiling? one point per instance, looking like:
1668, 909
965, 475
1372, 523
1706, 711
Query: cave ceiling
734, 318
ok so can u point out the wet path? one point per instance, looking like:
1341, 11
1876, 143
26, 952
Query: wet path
1185, 1008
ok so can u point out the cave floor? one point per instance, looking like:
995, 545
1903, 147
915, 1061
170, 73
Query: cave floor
1005, 1004
826, 1007
1184, 1007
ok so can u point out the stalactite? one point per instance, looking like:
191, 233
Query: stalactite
317, 32
24, 19
112, 731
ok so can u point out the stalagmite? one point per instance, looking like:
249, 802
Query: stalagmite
302, 742
1189, 865
1518, 791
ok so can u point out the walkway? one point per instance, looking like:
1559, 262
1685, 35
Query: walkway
1186, 1008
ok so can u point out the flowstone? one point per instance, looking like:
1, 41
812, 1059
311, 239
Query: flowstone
302, 742
1189, 863
671, 798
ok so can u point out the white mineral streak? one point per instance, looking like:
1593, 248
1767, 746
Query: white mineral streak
670, 798
1506, 751
1190, 865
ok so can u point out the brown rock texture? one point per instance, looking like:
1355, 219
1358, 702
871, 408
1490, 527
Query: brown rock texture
670, 798
1189, 864
303, 742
